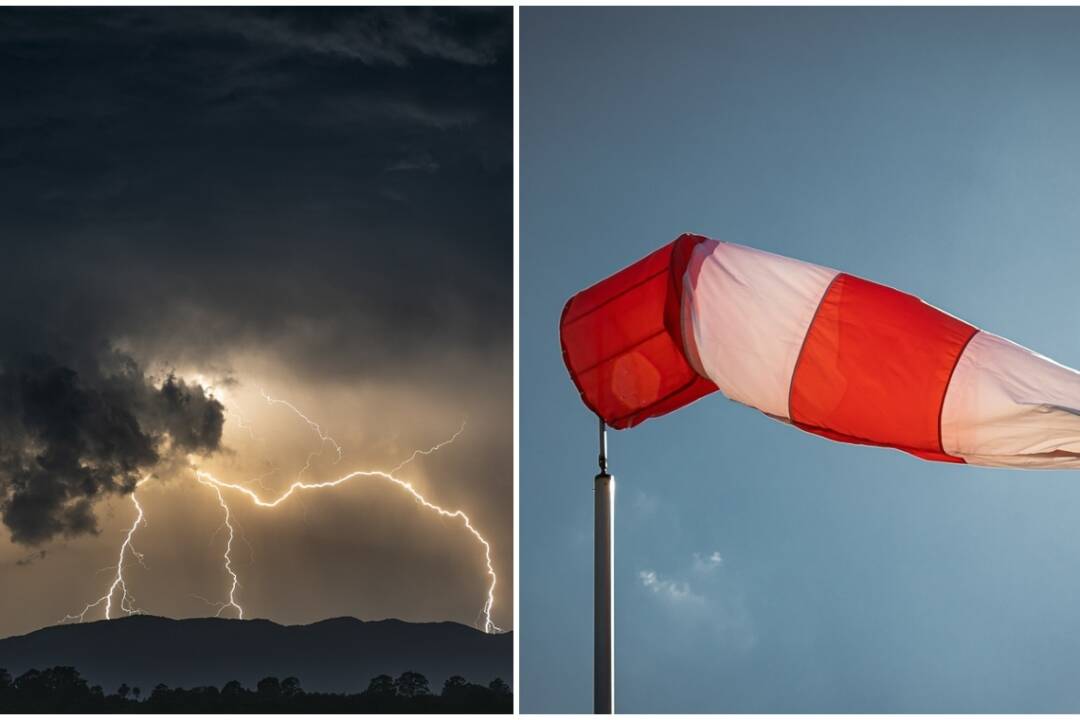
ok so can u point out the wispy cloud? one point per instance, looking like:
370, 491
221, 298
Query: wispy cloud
384, 36
416, 162
675, 591
376, 109
702, 596
707, 563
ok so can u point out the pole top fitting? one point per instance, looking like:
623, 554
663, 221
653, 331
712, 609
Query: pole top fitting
603, 447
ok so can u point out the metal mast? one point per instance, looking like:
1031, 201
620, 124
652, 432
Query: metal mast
604, 586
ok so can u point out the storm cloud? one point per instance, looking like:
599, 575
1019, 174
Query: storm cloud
68, 439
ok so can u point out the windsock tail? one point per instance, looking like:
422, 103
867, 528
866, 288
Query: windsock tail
1011, 407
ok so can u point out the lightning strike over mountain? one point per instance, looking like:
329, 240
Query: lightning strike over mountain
489, 603
127, 601
208, 479
228, 556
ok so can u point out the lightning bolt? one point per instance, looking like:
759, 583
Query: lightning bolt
489, 626
127, 600
311, 423
228, 554
241, 422
430, 450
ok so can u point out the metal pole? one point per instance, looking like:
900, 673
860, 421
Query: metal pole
604, 587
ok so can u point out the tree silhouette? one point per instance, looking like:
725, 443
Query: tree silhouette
290, 687
269, 688
62, 689
454, 685
136, 692
381, 686
411, 685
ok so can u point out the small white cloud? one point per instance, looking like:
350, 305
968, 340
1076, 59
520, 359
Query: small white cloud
714, 602
675, 591
707, 563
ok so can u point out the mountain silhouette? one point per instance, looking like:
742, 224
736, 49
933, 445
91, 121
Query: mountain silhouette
336, 655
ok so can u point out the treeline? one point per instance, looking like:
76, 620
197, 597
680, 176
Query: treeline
63, 690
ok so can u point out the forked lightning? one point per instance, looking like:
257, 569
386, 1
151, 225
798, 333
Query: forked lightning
126, 602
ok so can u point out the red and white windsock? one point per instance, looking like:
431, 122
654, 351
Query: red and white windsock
828, 352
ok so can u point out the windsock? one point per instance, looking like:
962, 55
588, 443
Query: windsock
827, 352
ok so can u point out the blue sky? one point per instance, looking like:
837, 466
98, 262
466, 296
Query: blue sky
759, 568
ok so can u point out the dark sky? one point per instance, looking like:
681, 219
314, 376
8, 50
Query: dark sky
198, 204
759, 568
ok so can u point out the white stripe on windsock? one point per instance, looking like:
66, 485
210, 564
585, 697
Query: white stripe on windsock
745, 314
1009, 406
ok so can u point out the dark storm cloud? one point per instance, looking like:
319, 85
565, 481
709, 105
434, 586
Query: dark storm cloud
195, 179
69, 438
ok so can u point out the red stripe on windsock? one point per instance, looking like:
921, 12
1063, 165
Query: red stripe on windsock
874, 368
622, 340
